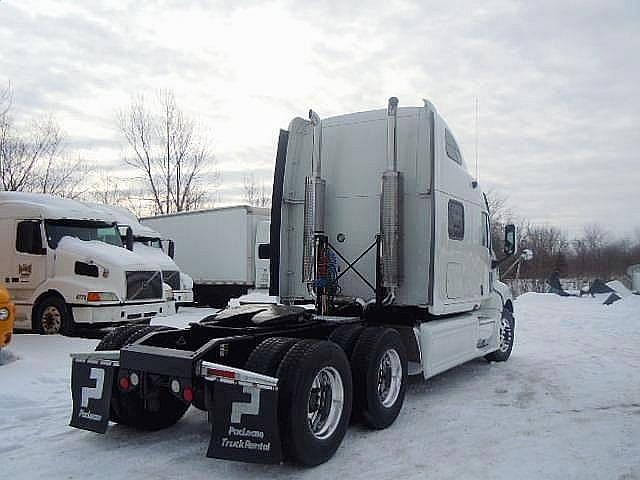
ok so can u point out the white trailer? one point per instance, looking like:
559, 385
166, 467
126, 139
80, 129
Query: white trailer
157, 249
219, 248
377, 222
64, 265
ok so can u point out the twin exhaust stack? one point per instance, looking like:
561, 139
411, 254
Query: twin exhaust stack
315, 268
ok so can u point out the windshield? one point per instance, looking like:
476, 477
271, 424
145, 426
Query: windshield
84, 230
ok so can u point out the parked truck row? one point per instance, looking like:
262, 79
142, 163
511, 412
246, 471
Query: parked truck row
376, 223
66, 264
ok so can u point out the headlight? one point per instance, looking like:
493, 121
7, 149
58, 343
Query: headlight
4, 313
102, 297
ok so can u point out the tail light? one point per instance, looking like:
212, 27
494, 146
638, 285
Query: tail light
187, 394
124, 383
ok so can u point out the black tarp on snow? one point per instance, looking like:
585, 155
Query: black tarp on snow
554, 285
598, 286
614, 297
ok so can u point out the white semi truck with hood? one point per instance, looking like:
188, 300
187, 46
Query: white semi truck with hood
153, 246
377, 223
65, 266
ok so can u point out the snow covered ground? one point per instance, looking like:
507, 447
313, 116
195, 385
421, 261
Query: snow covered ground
565, 406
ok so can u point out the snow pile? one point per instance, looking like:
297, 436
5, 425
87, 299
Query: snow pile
619, 288
566, 405
7, 356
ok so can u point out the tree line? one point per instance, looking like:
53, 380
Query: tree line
592, 253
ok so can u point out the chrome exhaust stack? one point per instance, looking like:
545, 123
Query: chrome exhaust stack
390, 209
314, 193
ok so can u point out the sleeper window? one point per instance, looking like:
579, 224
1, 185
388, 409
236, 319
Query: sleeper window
456, 220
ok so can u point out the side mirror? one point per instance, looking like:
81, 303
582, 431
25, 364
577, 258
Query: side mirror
129, 239
509, 239
264, 251
171, 249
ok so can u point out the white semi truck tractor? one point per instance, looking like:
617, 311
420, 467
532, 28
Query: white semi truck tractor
65, 266
153, 246
377, 223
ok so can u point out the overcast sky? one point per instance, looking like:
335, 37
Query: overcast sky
558, 83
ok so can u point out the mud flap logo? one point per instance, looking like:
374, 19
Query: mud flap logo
96, 374
242, 408
245, 423
91, 391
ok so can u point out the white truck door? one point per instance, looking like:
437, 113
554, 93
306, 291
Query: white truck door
262, 254
458, 256
29, 267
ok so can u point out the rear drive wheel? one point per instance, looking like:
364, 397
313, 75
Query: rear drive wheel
346, 336
379, 366
143, 331
316, 392
51, 316
266, 357
116, 338
506, 337
128, 408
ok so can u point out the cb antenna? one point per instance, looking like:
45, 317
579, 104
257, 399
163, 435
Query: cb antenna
477, 175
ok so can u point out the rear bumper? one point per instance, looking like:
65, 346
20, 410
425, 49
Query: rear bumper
112, 314
241, 404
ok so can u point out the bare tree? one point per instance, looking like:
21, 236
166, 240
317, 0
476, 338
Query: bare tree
169, 154
31, 157
113, 190
255, 194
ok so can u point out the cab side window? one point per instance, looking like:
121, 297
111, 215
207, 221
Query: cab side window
29, 237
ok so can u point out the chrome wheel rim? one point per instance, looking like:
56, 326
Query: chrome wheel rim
506, 335
389, 378
51, 320
325, 403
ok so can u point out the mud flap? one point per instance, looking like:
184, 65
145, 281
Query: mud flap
91, 387
244, 422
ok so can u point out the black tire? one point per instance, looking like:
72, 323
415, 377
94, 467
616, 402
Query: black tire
116, 338
51, 315
127, 408
374, 345
266, 357
507, 335
143, 331
346, 336
297, 373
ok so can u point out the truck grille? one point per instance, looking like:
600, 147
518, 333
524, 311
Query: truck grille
171, 278
144, 285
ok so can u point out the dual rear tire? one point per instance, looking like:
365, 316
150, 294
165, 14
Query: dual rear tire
315, 393
129, 408
321, 382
